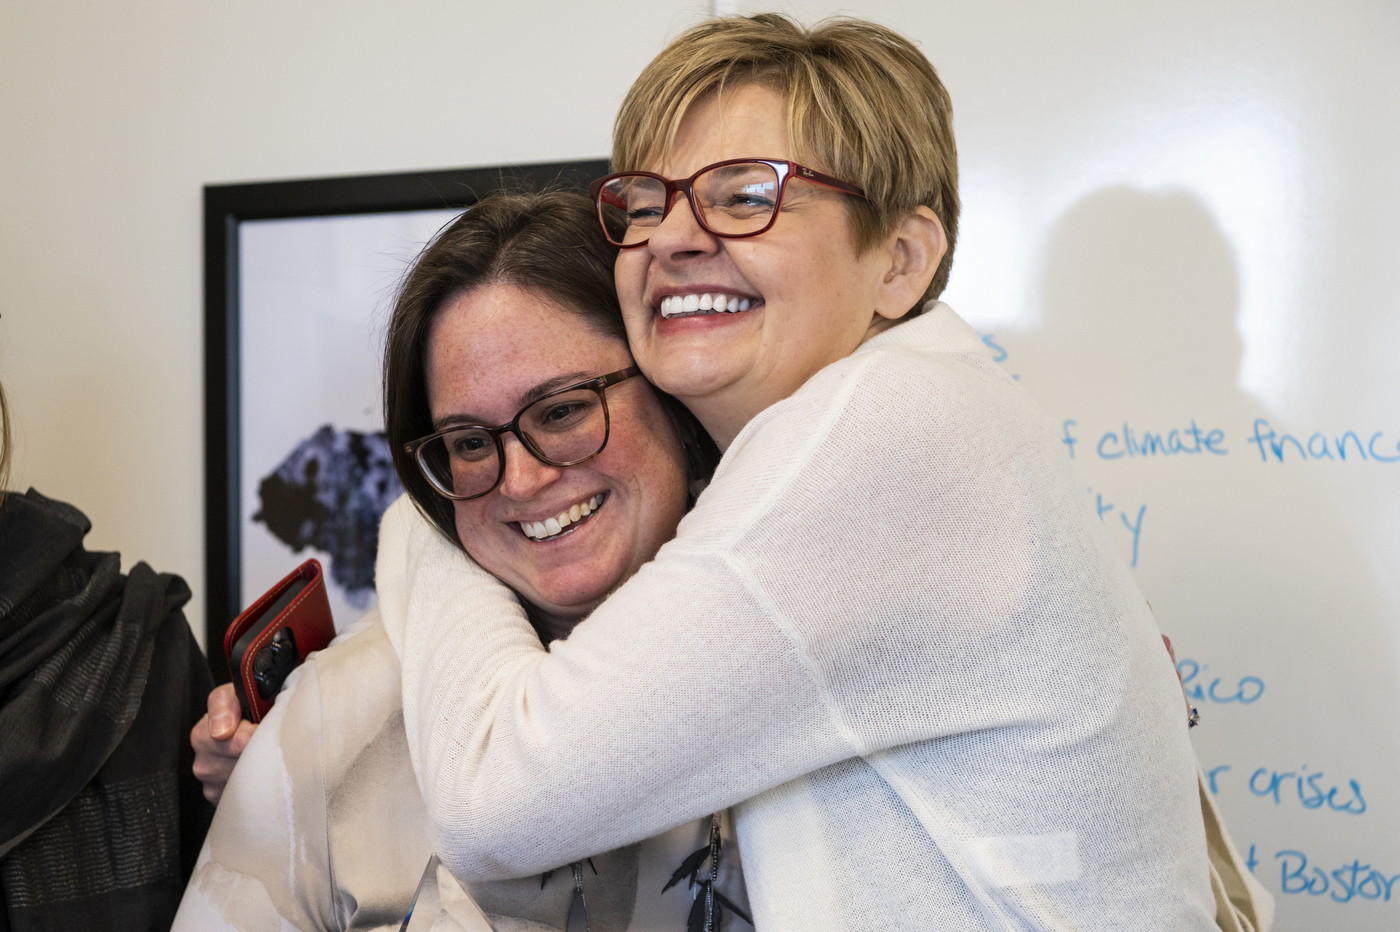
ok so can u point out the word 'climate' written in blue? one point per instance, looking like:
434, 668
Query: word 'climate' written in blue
1134, 525
1346, 446
1131, 442
1356, 880
1245, 691
1312, 793
1189, 441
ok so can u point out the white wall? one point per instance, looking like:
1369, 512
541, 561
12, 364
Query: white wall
112, 117
1170, 212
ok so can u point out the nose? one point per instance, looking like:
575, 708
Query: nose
524, 476
680, 234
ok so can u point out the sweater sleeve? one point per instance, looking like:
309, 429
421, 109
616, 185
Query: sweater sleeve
678, 697
896, 553
265, 861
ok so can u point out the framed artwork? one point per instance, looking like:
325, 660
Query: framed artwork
299, 281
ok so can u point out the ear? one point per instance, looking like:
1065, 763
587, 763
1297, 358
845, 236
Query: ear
914, 250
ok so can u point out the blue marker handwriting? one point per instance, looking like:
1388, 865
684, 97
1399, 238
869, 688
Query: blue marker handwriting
1265, 782
998, 354
1312, 792
1245, 691
1319, 446
1133, 524
1129, 442
1341, 885
1112, 445
1190, 441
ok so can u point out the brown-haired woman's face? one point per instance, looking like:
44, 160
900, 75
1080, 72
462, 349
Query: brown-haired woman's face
488, 351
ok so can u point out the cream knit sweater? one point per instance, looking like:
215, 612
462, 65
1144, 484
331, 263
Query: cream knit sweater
321, 827
891, 633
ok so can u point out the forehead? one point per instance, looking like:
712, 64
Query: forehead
748, 120
489, 347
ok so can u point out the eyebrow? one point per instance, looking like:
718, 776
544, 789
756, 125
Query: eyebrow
523, 402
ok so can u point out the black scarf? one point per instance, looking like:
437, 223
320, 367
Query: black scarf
100, 683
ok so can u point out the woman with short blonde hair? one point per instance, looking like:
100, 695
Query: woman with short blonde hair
889, 634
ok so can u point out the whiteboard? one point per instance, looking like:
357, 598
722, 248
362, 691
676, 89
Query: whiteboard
1181, 229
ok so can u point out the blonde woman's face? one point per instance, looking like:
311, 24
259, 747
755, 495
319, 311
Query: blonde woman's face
811, 297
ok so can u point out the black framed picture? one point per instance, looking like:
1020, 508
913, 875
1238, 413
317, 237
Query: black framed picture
299, 278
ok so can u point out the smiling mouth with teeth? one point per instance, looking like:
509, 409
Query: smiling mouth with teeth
690, 305
563, 523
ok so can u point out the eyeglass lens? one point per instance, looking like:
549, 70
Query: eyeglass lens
731, 200
563, 428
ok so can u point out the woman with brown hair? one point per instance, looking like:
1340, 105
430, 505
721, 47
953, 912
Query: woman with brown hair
507, 318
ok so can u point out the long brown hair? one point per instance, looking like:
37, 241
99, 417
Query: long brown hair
549, 242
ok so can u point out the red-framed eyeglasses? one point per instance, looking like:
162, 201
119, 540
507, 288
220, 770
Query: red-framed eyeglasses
732, 199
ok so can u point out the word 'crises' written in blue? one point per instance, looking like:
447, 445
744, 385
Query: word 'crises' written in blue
1267, 783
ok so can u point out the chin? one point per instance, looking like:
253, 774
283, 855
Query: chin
692, 374
565, 599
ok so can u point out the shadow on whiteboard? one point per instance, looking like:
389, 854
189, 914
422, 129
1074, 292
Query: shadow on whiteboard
1254, 561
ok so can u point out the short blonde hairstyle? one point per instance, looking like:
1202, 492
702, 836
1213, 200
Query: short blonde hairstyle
864, 105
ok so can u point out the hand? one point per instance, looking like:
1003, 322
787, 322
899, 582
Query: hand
218, 740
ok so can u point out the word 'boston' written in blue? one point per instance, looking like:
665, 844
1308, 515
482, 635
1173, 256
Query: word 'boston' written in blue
1348, 882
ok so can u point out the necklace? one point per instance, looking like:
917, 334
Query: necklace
710, 903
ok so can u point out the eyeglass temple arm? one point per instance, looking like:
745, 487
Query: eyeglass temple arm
613, 378
826, 181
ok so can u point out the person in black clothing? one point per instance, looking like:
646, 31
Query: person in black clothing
101, 818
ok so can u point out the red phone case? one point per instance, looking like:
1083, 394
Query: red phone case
307, 620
